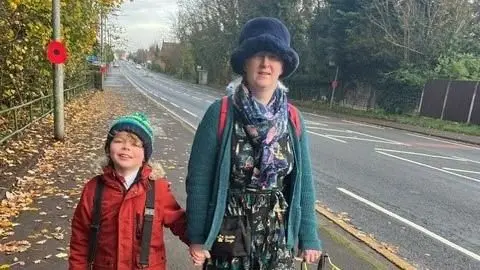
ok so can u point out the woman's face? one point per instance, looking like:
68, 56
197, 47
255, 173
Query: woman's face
263, 70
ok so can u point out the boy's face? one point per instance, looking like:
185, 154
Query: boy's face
126, 151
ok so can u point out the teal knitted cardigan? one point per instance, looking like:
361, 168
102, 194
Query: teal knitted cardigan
208, 181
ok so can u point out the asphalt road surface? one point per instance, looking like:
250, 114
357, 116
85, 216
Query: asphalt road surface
418, 193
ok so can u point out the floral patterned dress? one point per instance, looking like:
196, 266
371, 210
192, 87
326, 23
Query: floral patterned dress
265, 208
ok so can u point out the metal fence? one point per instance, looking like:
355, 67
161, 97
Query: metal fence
16, 119
452, 100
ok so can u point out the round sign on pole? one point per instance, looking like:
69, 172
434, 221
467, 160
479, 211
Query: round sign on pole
56, 52
103, 69
334, 84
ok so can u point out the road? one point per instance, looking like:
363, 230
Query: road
415, 192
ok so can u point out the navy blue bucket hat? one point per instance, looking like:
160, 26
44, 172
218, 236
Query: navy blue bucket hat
268, 35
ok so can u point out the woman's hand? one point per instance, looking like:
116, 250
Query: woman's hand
198, 254
311, 256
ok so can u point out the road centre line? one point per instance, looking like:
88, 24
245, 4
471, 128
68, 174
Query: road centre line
411, 224
315, 123
459, 170
468, 160
375, 137
330, 129
189, 112
141, 90
326, 136
420, 154
317, 115
428, 166
444, 141
363, 139
362, 124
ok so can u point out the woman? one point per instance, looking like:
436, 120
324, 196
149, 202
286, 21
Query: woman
250, 192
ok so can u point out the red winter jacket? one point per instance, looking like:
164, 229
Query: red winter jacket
119, 238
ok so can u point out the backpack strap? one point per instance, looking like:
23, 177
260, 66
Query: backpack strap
95, 225
294, 116
147, 225
223, 117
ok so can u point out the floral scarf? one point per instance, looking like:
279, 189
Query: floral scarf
265, 125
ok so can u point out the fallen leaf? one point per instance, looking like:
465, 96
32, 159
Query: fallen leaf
61, 255
9, 195
41, 242
42, 213
59, 208
37, 261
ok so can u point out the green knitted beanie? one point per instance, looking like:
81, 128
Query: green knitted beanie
138, 124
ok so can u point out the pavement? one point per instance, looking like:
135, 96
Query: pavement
49, 175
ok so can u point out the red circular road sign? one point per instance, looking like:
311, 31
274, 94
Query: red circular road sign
334, 84
103, 69
56, 52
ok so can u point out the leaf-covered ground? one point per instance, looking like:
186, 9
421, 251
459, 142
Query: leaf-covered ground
48, 176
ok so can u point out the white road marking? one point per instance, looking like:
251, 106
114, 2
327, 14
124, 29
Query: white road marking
363, 139
362, 124
428, 166
467, 160
330, 129
189, 112
164, 99
420, 154
444, 141
141, 90
375, 137
326, 136
174, 104
317, 115
315, 123
411, 224
197, 98
459, 170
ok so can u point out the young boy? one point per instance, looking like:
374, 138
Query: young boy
118, 223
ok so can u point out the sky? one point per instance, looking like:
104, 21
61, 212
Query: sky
146, 22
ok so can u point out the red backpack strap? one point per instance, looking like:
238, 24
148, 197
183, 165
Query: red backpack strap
223, 117
295, 118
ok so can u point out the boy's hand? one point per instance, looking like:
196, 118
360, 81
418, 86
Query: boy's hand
198, 254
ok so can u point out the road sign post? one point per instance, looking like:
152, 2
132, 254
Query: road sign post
334, 87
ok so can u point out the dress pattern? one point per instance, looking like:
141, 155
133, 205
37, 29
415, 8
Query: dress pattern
265, 207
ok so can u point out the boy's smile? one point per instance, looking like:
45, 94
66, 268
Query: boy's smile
126, 152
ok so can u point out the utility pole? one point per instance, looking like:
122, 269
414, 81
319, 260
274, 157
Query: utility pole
101, 36
58, 111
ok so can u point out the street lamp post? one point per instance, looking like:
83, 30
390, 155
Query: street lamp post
58, 113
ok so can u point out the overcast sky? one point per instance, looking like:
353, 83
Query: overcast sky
146, 21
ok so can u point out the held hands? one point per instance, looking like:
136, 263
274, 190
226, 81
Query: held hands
311, 256
198, 254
